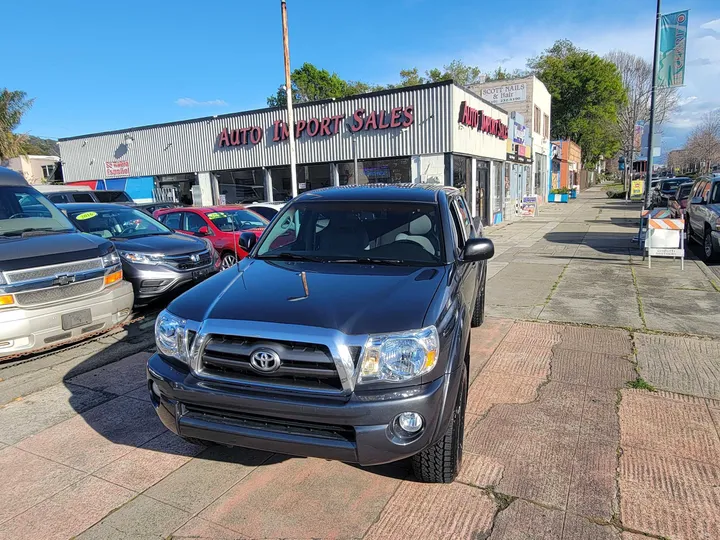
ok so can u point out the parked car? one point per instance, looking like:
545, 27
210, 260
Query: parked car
349, 342
57, 196
268, 210
222, 225
56, 284
155, 260
151, 208
667, 188
678, 202
702, 214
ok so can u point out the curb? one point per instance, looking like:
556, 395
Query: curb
708, 273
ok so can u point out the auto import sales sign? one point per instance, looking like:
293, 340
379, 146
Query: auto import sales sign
117, 168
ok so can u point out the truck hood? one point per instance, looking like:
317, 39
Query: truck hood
352, 298
17, 252
167, 244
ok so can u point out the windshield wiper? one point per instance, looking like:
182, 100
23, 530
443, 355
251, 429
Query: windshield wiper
292, 256
27, 232
371, 260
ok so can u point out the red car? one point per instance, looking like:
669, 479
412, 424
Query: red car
222, 225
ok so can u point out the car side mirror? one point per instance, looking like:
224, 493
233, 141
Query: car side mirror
697, 200
204, 231
478, 249
247, 241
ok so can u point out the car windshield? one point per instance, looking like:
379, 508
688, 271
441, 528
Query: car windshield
356, 232
670, 185
236, 220
117, 222
112, 196
24, 210
683, 192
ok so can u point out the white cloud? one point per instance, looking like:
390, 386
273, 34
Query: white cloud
189, 102
686, 101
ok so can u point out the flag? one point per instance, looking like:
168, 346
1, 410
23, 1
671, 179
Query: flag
671, 53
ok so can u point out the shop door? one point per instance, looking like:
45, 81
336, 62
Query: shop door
482, 209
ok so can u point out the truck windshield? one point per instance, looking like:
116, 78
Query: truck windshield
23, 210
356, 232
116, 222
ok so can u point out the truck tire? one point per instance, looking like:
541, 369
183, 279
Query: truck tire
479, 310
441, 462
709, 253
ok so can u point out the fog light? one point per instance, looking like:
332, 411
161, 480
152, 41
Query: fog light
410, 421
155, 390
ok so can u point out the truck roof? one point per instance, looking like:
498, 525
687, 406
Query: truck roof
427, 193
8, 177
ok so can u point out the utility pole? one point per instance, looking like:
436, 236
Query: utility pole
653, 92
288, 93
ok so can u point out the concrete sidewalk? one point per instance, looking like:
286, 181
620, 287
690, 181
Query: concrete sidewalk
577, 263
609, 429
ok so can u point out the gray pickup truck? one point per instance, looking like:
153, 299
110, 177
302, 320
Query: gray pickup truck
702, 215
344, 334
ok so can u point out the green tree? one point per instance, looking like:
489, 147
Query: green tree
501, 74
312, 84
13, 104
587, 93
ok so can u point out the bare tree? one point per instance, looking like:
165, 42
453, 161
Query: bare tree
636, 75
703, 145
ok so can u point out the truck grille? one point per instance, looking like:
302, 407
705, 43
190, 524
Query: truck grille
186, 262
29, 274
302, 365
57, 294
271, 424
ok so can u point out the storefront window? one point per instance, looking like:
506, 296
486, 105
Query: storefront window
498, 186
462, 173
241, 186
313, 177
175, 188
383, 171
482, 196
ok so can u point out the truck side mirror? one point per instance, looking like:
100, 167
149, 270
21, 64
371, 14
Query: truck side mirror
478, 249
247, 241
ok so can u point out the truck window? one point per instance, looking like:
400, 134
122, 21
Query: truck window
82, 197
58, 198
172, 220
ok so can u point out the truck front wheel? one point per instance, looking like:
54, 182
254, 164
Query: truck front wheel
478, 316
441, 462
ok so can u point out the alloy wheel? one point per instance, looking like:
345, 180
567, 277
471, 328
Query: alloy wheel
228, 261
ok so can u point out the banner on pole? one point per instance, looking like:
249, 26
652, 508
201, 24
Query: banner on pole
671, 56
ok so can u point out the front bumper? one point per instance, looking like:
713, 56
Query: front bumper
150, 282
355, 429
26, 329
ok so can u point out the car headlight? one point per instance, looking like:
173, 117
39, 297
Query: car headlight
400, 356
210, 248
142, 258
110, 259
170, 335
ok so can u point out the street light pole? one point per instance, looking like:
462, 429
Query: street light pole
288, 93
653, 92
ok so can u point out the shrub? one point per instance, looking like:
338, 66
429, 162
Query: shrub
560, 191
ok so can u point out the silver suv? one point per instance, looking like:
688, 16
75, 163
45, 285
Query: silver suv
702, 215
56, 284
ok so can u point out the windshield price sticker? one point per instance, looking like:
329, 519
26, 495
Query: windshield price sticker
86, 215
216, 215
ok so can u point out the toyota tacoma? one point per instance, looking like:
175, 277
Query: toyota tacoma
344, 334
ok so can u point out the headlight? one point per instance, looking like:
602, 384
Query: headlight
142, 258
111, 259
170, 335
400, 356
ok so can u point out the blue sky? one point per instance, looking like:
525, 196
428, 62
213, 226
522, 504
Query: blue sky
96, 66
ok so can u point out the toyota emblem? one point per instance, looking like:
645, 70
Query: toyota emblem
265, 360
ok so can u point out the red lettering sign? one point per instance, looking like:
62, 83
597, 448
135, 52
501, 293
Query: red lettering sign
478, 120
326, 126
239, 137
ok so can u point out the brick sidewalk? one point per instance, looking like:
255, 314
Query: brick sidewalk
88, 457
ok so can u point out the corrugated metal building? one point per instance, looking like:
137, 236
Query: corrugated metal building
438, 133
